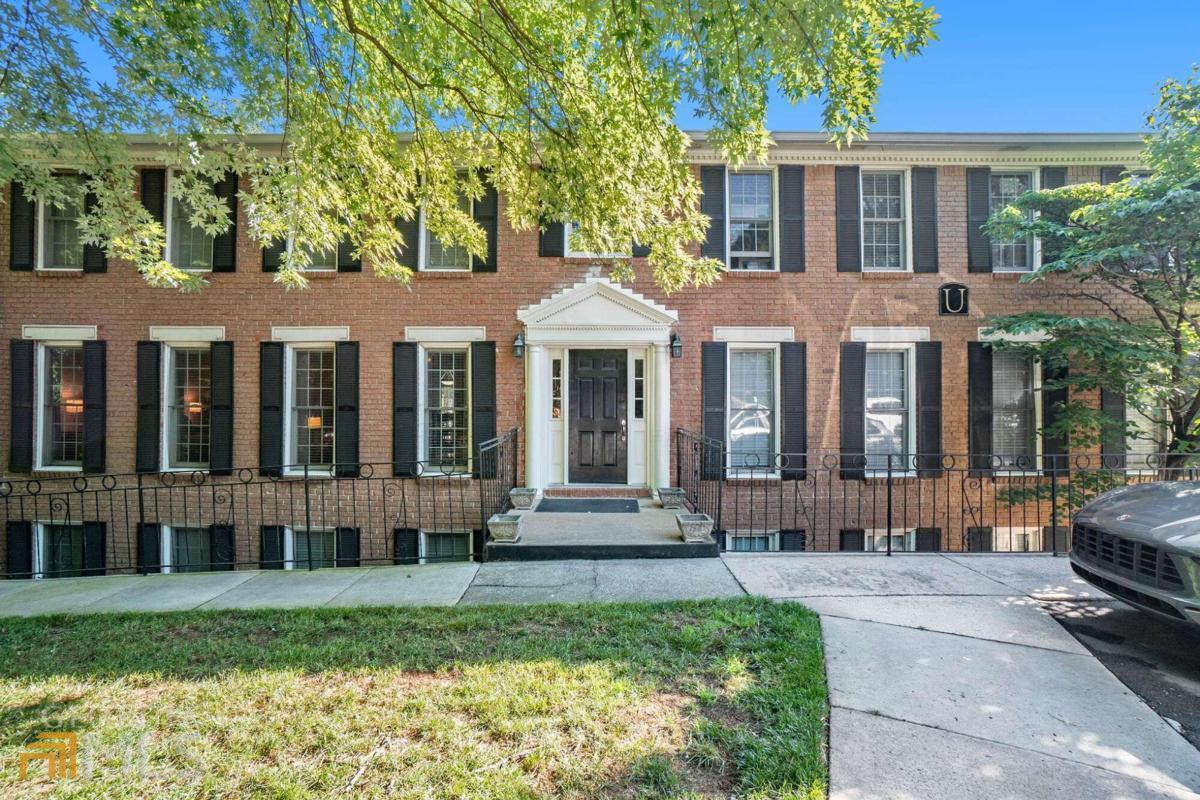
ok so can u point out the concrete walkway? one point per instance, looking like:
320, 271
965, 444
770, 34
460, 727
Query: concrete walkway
947, 676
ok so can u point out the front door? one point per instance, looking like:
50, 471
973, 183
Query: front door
597, 425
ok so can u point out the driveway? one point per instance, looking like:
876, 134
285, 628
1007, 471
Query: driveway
950, 678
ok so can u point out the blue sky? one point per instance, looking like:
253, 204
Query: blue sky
1025, 65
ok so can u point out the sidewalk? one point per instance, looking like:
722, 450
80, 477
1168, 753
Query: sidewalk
947, 676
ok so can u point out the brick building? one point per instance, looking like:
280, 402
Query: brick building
825, 337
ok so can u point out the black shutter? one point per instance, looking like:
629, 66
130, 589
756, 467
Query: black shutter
793, 380
93, 548
712, 205
1112, 439
149, 548
272, 255
410, 231
979, 402
149, 406
848, 206
712, 390
225, 244
408, 545
20, 454
640, 250
792, 540
347, 261
404, 409
271, 555
345, 402
929, 540
270, 418
979, 540
478, 542
1111, 174
95, 399
347, 547
929, 409
18, 549
852, 540
791, 219
486, 212
22, 217
483, 398
1054, 448
220, 431
925, 218
853, 394
551, 240
1053, 178
154, 193
220, 538
979, 208
94, 259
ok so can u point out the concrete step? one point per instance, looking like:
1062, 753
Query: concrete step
500, 551
596, 491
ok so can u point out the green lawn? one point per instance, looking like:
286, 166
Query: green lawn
699, 699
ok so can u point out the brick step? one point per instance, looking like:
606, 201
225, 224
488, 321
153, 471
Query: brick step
596, 491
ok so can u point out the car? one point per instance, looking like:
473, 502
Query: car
1141, 544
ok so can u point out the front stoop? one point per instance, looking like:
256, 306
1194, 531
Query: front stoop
638, 492
503, 551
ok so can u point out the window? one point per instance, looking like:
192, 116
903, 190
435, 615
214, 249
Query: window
751, 208
446, 258
556, 379
1016, 539
190, 549
639, 388
321, 260
61, 407
61, 246
1015, 410
1148, 440
888, 409
1017, 254
312, 409
189, 402
883, 222
751, 408
188, 247
876, 541
445, 546
60, 550
447, 407
572, 251
745, 542
314, 547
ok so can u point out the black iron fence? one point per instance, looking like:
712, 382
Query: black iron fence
929, 502
362, 514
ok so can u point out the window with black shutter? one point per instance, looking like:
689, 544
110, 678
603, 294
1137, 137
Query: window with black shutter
712, 205
793, 380
853, 370
22, 229
848, 219
925, 219
405, 364
483, 401
270, 421
346, 388
791, 218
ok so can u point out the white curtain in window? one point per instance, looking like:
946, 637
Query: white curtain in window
886, 408
1014, 419
751, 408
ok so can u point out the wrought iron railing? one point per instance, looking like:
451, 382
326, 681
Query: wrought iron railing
360, 514
822, 501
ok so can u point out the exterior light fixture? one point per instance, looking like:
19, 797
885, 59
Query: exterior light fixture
676, 346
519, 346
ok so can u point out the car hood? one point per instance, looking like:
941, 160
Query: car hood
1167, 512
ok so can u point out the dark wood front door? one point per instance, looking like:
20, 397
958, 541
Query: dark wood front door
596, 420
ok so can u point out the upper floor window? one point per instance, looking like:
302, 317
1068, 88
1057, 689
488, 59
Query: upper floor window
189, 403
312, 407
61, 247
575, 249
1016, 414
884, 211
447, 410
438, 257
888, 408
1015, 254
751, 221
188, 247
752, 391
61, 406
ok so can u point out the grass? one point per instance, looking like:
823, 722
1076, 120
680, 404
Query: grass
698, 699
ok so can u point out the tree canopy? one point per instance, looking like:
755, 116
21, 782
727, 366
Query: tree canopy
567, 107
1130, 251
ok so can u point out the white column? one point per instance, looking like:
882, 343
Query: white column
537, 414
661, 476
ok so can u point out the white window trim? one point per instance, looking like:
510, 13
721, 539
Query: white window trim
289, 547
1035, 184
906, 252
772, 541
290, 469
910, 368
751, 334
569, 252
38, 571
168, 203
423, 251
758, 472
888, 335
774, 173
871, 535
59, 334
450, 334
421, 545
423, 410
1036, 384
39, 410
290, 245
311, 334
43, 209
187, 335
166, 390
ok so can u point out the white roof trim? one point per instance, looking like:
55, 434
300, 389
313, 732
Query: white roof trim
597, 311
888, 334
314, 334
1029, 338
444, 333
187, 333
59, 333
753, 334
